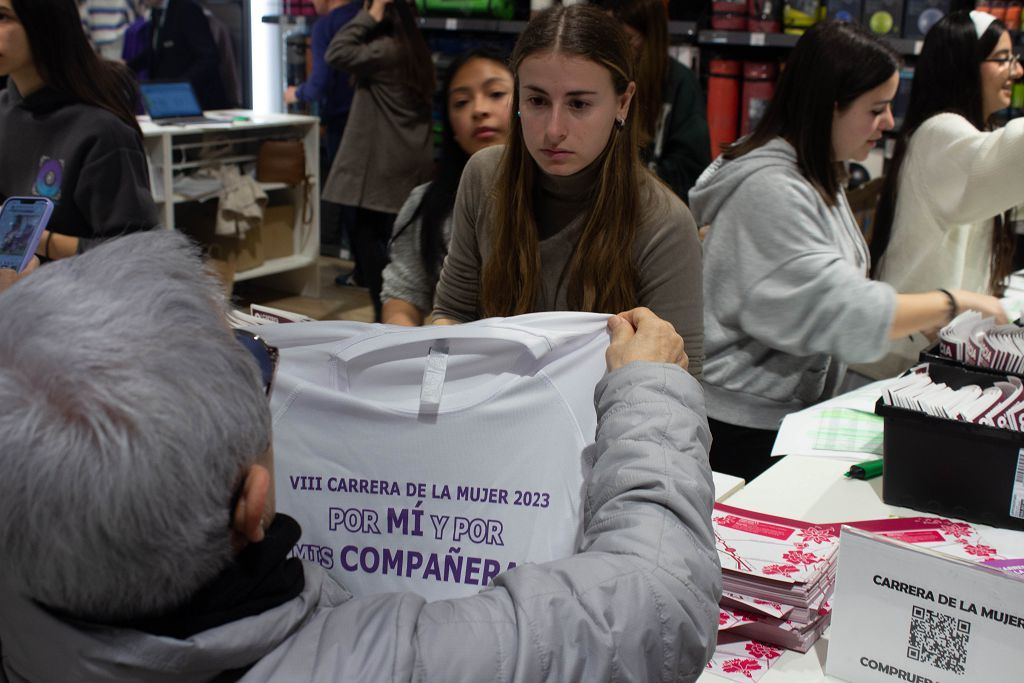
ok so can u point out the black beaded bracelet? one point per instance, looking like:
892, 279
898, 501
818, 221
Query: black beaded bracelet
954, 308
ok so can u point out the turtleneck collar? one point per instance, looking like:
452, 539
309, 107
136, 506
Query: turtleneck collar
558, 200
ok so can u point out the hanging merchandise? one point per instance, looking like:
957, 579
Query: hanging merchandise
765, 16
729, 15
884, 17
800, 15
846, 10
299, 8
1012, 19
922, 15
758, 88
723, 102
499, 9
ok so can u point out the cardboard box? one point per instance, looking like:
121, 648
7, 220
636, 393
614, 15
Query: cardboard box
278, 231
884, 17
198, 220
922, 15
956, 469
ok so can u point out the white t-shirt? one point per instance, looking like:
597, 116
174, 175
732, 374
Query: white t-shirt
437, 480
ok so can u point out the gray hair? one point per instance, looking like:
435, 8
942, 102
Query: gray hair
128, 414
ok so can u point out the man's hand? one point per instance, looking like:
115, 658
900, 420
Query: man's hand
291, 94
640, 335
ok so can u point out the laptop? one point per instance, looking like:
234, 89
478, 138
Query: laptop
171, 103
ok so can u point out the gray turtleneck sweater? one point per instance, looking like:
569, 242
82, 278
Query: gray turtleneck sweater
667, 252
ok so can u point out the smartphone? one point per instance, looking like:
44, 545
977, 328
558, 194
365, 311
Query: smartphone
22, 221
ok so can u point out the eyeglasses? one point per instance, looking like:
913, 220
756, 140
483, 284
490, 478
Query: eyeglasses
1006, 61
266, 355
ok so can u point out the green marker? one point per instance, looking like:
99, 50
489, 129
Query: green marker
865, 470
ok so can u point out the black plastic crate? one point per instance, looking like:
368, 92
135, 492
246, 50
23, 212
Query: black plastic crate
951, 468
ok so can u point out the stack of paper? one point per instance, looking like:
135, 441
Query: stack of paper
778, 574
978, 341
999, 403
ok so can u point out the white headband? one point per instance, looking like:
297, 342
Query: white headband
982, 20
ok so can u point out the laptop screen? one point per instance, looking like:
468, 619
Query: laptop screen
163, 100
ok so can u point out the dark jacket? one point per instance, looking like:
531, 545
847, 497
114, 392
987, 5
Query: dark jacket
185, 50
681, 148
88, 161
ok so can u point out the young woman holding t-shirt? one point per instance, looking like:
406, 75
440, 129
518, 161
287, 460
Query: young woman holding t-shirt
565, 217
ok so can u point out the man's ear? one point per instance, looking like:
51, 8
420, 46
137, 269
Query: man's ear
247, 518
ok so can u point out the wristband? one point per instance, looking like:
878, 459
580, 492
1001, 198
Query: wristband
954, 308
46, 245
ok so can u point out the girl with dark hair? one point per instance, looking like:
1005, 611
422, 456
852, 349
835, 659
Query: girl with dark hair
789, 300
68, 128
387, 147
940, 218
565, 217
674, 135
476, 114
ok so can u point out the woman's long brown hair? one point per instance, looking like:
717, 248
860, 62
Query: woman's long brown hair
649, 18
602, 275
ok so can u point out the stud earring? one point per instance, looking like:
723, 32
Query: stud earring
619, 123
517, 114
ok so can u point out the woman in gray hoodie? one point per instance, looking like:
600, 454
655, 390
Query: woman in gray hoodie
788, 298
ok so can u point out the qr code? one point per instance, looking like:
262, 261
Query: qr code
938, 639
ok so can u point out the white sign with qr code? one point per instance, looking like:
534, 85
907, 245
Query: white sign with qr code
905, 613
1017, 496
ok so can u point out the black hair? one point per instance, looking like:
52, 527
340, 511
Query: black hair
832, 64
68, 64
416, 65
438, 201
947, 78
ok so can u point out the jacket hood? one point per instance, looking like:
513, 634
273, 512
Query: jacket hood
722, 178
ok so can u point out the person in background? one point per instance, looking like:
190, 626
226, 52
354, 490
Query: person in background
789, 300
106, 22
565, 217
68, 129
140, 540
940, 220
674, 136
182, 48
387, 149
332, 91
477, 114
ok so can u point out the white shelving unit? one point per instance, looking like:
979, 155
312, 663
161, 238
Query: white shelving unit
176, 150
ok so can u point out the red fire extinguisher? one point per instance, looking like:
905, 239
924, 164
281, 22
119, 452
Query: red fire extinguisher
723, 102
758, 88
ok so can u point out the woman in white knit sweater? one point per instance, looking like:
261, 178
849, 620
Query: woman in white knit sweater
939, 221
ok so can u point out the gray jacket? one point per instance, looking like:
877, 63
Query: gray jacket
388, 145
787, 299
405, 277
639, 604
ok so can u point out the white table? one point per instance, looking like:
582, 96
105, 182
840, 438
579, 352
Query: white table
811, 490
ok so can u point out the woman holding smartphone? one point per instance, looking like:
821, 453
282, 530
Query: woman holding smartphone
565, 217
68, 129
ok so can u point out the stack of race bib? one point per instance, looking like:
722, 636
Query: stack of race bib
978, 341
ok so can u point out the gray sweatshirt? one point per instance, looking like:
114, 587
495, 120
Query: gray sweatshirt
788, 302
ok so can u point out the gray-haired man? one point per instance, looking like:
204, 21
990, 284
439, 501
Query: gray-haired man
140, 543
